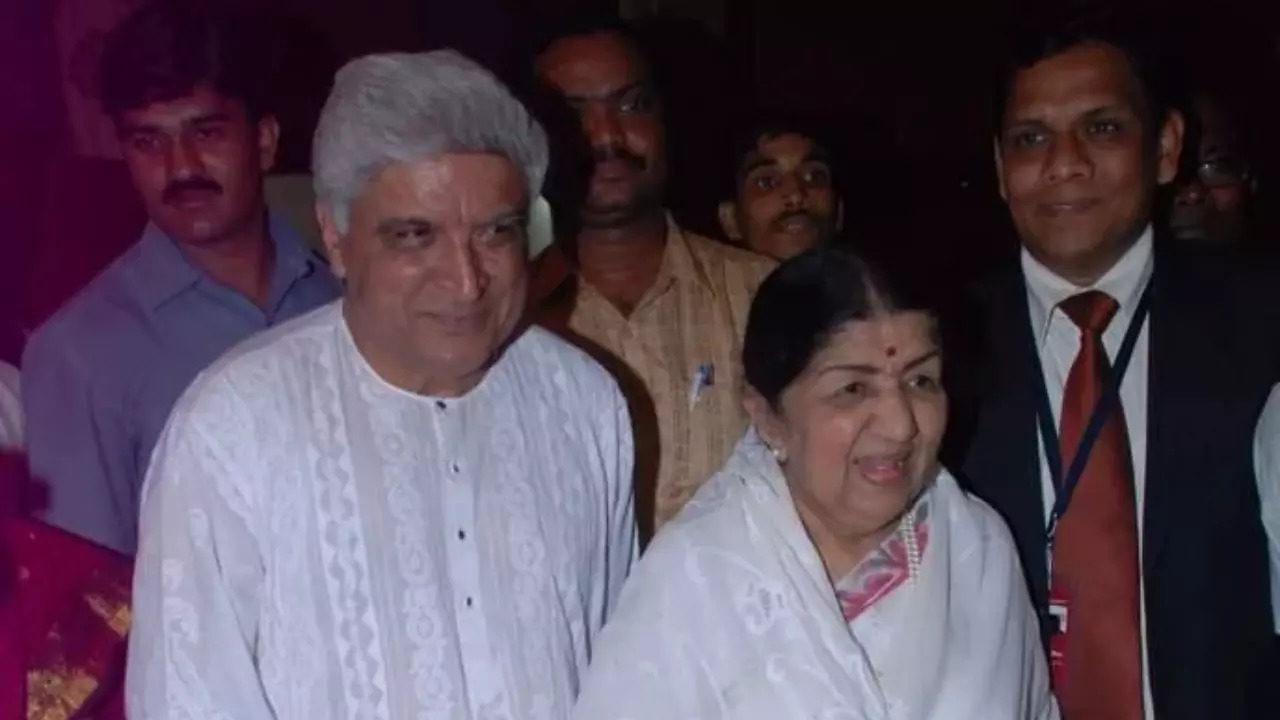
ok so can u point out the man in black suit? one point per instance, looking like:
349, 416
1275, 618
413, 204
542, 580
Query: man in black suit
1154, 587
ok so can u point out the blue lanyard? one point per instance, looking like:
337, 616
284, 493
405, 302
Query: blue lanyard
1065, 485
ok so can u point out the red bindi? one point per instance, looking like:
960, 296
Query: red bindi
891, 351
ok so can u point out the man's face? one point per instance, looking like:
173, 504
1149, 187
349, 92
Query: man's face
1210, 205
786, 202
198, 163
1076, 160
434, 264
602, 77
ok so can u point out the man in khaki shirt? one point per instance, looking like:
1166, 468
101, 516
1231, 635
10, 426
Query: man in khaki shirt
663, 308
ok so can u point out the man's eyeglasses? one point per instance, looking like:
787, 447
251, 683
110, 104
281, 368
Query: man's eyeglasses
1221, 172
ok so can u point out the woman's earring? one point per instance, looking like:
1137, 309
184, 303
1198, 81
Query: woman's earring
779, 455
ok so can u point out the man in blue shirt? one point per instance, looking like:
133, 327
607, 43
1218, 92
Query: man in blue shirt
187, 92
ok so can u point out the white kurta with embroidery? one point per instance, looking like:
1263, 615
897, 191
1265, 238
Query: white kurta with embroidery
317, 544
730, 614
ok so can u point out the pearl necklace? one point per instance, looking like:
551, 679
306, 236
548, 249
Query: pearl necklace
913, 547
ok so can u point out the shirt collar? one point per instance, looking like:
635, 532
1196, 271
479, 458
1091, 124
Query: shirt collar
680, 264
1124, 282
162, 271
553, 268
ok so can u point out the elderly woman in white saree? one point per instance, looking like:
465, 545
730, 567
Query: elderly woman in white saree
832, 569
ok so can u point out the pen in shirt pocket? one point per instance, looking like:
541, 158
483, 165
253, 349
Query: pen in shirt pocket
704, 378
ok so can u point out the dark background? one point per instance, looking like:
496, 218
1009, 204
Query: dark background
903, 87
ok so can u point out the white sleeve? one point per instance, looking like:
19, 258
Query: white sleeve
993, 646
1266, 462
1022, 647
198, 576
647, 664
623, 547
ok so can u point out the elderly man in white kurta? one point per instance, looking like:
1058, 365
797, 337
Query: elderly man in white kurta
401, 505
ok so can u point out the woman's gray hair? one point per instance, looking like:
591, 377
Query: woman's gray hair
401, 107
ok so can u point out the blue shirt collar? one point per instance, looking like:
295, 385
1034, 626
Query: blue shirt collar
162, 271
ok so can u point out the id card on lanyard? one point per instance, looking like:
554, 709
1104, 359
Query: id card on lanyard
1057, 612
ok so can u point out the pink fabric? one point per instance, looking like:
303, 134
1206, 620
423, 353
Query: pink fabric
46, 622
13, 677
881, 572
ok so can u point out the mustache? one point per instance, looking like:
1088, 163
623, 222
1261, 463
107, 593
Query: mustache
605, 153
197, 184
785, 217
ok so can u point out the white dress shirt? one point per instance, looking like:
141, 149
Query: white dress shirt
11, 425
317, 544
1058, 339
1266, 461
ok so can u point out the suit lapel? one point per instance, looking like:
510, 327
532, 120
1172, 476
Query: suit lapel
1005, 459
1180, 327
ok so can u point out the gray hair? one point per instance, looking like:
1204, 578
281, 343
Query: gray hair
401, 107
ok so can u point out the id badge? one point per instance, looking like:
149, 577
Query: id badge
1060, 611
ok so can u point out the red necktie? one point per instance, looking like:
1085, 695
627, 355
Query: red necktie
1095, 552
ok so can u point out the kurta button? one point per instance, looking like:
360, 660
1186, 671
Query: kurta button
462, 534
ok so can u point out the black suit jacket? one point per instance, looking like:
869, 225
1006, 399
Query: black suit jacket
1214, 356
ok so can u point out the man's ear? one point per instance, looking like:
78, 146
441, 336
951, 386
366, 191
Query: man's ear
995, 152
1169, 147
268, 142
728, 213
332, 240
839, 215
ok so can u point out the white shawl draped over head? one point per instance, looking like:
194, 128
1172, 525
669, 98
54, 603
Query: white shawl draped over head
731, 614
